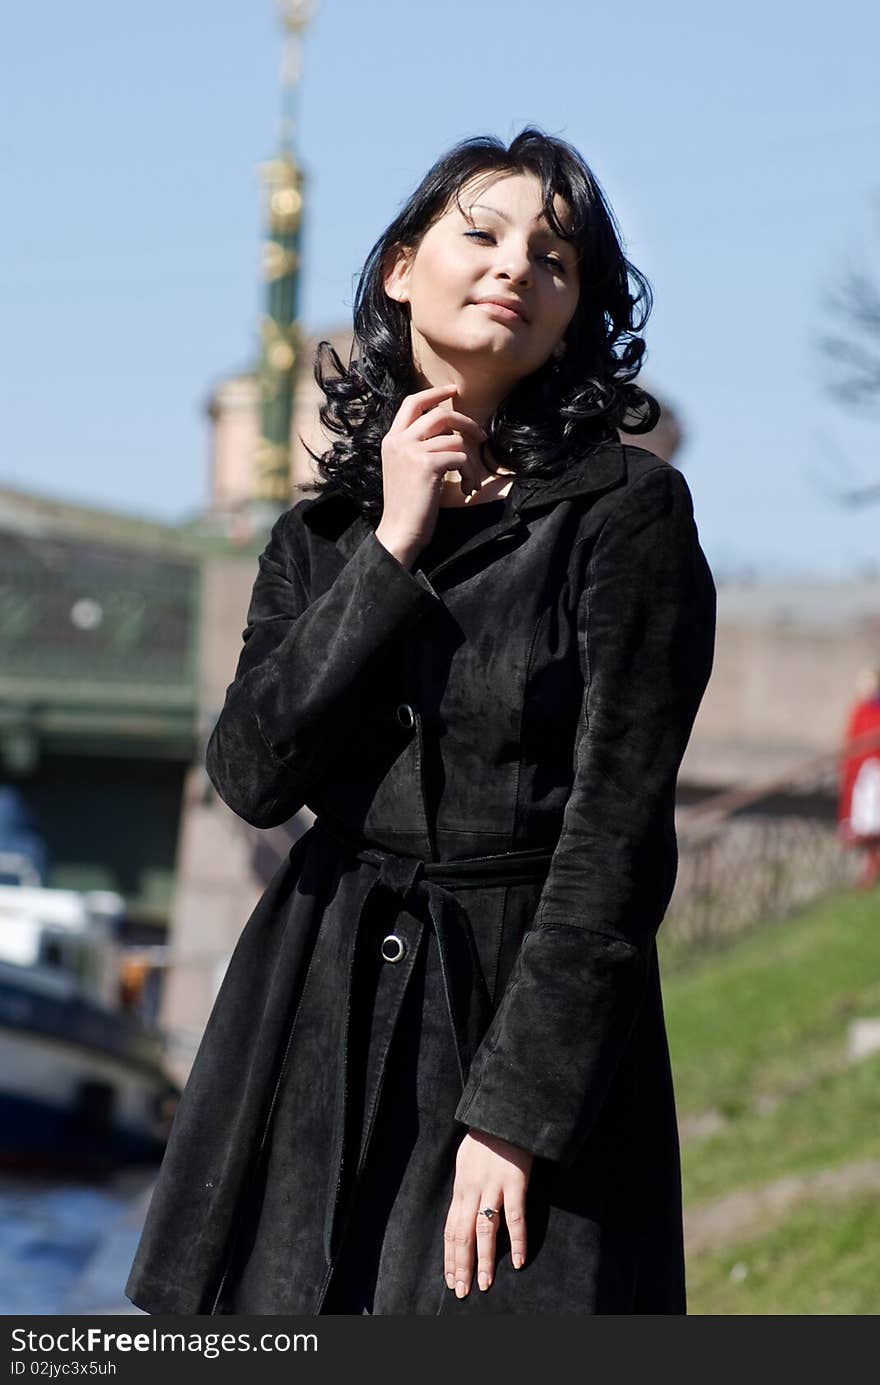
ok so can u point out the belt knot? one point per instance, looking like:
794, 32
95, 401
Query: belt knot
400, 873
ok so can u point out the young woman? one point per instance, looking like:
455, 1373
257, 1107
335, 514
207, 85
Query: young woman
436, 1077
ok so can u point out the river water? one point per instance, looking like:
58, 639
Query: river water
66, 1246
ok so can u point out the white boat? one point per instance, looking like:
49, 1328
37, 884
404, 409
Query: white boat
82, 1081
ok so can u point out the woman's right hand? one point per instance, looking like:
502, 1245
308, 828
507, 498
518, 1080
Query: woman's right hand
423, 443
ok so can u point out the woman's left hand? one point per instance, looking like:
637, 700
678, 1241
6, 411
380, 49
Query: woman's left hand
488, 1173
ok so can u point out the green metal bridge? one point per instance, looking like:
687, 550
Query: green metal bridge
99, 618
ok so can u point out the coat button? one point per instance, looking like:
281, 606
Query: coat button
393, 948
406, 716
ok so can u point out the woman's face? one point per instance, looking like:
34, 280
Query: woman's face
504, 252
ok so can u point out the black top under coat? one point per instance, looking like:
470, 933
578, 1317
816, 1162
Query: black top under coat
454, 524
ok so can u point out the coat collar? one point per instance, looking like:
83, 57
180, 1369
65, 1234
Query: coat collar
599, 470
602, 468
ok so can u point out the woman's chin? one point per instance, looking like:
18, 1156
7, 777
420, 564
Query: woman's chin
485, 355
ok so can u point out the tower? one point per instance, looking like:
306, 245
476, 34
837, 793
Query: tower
280, 338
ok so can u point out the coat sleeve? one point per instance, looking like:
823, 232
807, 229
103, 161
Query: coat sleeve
303, 670
646, 629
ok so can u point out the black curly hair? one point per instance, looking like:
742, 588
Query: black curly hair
567, 406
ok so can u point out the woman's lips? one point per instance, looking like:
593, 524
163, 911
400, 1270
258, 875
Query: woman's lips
504, 314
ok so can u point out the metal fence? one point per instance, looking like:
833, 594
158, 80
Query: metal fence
749, 856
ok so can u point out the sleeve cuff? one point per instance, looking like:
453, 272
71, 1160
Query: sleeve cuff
397, 573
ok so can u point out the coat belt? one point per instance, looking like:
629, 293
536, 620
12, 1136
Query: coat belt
404, 879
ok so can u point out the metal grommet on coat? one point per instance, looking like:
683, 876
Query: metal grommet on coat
393, 948
406, 716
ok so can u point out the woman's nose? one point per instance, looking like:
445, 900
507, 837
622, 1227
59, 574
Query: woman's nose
516, 264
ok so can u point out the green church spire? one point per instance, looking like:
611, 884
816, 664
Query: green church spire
279, 332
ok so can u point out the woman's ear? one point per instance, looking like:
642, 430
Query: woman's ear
396, 276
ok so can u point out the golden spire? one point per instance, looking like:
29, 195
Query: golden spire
279, 332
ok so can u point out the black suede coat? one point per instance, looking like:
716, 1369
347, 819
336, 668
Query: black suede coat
466, 938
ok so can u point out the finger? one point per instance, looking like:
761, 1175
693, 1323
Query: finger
464, 459
452, 442
463, 1238
415, 404
443, 421
449, 1242
487, 1236
439, 429
443, 460
453, 1230
475, 474
515, 1217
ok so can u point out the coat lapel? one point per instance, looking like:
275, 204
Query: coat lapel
602, 469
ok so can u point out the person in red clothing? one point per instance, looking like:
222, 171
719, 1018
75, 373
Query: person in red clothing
858, 813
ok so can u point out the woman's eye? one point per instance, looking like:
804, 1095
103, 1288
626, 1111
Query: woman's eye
549, 259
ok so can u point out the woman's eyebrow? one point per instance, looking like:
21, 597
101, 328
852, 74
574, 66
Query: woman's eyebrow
504, 217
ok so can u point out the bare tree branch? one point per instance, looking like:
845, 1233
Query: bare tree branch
852, 348
839, 487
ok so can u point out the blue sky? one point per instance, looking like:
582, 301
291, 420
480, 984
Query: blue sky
738, 149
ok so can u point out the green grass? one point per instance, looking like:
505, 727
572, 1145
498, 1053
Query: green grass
823, 1259
773, 1008
767, 1016
836, 1121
